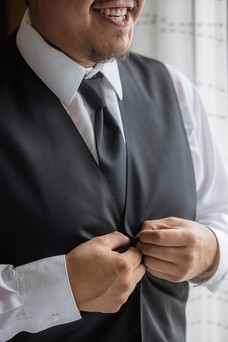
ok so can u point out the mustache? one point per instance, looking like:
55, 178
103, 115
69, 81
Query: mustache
104, 2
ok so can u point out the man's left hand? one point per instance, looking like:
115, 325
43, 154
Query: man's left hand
177, 250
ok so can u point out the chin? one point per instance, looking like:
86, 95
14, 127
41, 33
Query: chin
105, 55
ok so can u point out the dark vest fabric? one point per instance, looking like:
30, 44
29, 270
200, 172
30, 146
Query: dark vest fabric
53, 195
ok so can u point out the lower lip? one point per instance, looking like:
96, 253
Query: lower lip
123, 23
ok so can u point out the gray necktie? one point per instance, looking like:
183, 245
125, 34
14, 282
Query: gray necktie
109, 140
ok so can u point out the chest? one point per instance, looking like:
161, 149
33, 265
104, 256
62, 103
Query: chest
54, 187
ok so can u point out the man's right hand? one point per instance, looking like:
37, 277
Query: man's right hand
101, 278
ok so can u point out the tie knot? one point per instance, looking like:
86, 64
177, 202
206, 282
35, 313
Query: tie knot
93, 91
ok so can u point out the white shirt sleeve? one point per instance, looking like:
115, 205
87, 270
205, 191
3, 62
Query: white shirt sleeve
35, 297
211, 175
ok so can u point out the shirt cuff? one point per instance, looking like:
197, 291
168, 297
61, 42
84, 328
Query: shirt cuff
46, 294
215, 282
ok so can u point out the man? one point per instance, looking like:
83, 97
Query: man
125, 273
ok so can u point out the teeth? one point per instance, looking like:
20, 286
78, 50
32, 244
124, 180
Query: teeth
107, 11
119, 18
119, 13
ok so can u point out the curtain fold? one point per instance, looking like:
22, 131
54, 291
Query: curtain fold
191, 35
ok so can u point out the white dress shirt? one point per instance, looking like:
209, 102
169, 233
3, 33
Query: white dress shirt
37, 296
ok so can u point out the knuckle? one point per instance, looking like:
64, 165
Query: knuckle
184, 271
158, 237
122, 299
104, 239
122, 292
171, 220
186, 267
115, 308
192, 239
117, 234
99, 240
123, 266
124, 287
189, 259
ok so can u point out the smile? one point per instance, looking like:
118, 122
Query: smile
116, 14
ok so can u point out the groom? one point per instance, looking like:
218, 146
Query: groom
84, 269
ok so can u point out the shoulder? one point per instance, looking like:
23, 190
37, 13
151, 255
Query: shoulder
8, 47
143, 63
157, 68
182, 84
152, 74
156, 72
168, 80
13, 68
192, 108
8, 58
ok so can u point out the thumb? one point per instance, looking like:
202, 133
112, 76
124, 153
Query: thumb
115, 240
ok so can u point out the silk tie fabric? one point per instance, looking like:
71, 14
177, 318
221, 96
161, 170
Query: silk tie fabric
109, 140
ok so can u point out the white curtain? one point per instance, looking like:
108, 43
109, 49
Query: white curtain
192, 36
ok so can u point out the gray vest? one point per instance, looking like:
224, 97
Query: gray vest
53, 195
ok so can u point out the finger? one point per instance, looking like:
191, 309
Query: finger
155, 225
114, 240
156, 265
171, 254
164, 223
161, 275
166, 237
174, 277
137, 276
133, 256
139, 273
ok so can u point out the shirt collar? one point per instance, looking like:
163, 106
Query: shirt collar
58, 71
